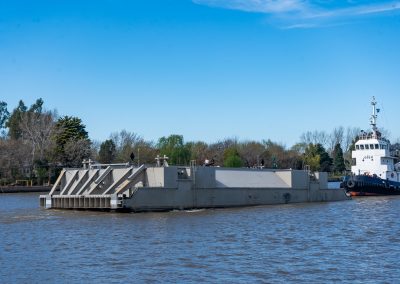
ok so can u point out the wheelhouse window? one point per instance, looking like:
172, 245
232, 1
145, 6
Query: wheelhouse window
366, 146
357, 147
362, 147
376, 146
371, 146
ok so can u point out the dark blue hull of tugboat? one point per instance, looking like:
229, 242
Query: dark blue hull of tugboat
367, 185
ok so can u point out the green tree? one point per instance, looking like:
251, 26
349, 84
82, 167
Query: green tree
338, 160
325, 160
313, 161
14, 121
317, 158
174, 148
72, 143
70, 128
215, 151
37, 107
107, 152
4, 116
232, 158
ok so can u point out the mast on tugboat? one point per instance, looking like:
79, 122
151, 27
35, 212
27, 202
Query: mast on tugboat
374, 115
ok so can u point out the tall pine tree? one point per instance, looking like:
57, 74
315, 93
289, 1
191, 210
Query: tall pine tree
107, 152
72, 141
338, 159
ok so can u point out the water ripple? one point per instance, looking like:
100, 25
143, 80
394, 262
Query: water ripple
352, 242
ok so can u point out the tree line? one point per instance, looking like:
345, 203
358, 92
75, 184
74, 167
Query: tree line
36, 143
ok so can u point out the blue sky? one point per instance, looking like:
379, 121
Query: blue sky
206, 69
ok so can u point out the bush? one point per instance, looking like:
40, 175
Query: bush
233, 162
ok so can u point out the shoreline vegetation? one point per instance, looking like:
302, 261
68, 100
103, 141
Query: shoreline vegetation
36, 143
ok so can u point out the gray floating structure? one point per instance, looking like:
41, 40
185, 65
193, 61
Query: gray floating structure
163, 187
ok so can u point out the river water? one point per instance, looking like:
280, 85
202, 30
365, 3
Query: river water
355, 241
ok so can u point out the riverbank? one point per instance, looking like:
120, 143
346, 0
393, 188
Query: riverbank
21, 189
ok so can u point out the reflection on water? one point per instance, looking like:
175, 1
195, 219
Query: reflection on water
352, 241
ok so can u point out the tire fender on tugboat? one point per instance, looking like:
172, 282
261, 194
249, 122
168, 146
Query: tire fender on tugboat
350, 183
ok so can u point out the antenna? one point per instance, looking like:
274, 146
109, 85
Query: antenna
374, 115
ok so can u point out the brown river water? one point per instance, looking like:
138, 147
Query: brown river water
356, 241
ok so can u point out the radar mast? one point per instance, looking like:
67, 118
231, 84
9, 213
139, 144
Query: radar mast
374, 115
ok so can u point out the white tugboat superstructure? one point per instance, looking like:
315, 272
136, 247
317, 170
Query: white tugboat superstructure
374, 170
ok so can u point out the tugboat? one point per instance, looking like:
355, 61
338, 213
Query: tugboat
374, 170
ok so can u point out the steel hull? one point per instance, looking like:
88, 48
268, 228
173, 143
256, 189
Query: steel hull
370, 186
